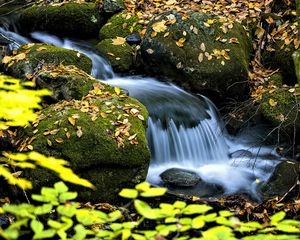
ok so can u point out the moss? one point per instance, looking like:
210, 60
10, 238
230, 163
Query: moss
38, 55
65, 82
296, 58
120, 56
70, 19
284, 112
120, 26
182, 63
91, 142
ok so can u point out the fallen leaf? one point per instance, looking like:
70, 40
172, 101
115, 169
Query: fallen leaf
118, 41
272, 102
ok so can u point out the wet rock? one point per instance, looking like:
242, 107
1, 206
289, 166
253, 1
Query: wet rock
120, 25
180, 177
121, 56
241, 154
69, 19
134, 38
186, 50
283, 178
30, 58
90, 145
113, 6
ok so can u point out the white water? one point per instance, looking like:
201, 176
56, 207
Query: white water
184, 131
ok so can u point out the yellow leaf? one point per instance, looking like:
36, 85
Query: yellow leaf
20, 56
210, 21
150, 51
159, 26
118, 41
117, 90
41, 49
200, 57
180, 42
59, 140
49, 142
6, 59
202, 47
72, 120
272, 102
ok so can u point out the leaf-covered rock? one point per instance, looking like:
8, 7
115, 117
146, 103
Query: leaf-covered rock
199, 51
102, 136
119, 53
120, 25
68, 19
30, 58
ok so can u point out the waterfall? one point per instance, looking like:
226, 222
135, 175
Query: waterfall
184, 130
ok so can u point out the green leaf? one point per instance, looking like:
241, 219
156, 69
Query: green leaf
67, 196
80, 232
144, 186
145, 210
138, 237
129, 225
185, 221
44, 209
196, 209
154, 192
49, 233
115, 215
61, 187
54, 224
225, 213
179, 204
67, 210
116, 226
198, 222
277, 217
129, 193
218, 233
126, 233
287, 228
36, 226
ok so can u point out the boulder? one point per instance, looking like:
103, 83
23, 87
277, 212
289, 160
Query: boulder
102, 136
199, 52
112, 6
120, 56
281, 109
30, 58
178, 177
120, 25
281, 181
67, 19
65, 82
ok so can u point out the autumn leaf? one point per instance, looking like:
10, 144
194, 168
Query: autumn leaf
117, 90
180, 42
200, 57
41, 49
272, 102
118, 41
159, 26
6, 59
72, 121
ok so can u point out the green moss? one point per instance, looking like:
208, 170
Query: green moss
284, 112
225, 76
90, 143
70, 19
38, 55
120, 56
120, 26
296, 58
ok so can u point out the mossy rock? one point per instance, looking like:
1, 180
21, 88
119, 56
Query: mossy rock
281, 109
70, 19
198, 55
65, 82
120, 25
112, 6
30, 58
102, 136
121, 57
281, 181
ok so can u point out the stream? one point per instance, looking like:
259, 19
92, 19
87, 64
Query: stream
184, 131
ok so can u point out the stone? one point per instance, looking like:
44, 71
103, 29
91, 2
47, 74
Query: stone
30, 58
180, 177
241, 154
99, 145
121, 57
113, 6
197, 55
134, 38
69, 19
120, 25
283, 178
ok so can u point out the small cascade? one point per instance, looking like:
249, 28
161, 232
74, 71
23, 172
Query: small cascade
101, 68
184, 130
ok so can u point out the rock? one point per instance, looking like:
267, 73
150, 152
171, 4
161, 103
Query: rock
97, 139
192, 52
30, 58
121, 57
283, 178
68, 19
65, 82
280, 109
113, 6
134, 38
120, 25
180, 177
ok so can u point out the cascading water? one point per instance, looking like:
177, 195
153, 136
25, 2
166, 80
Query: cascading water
184, 131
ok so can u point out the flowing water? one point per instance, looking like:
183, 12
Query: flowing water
184, 131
